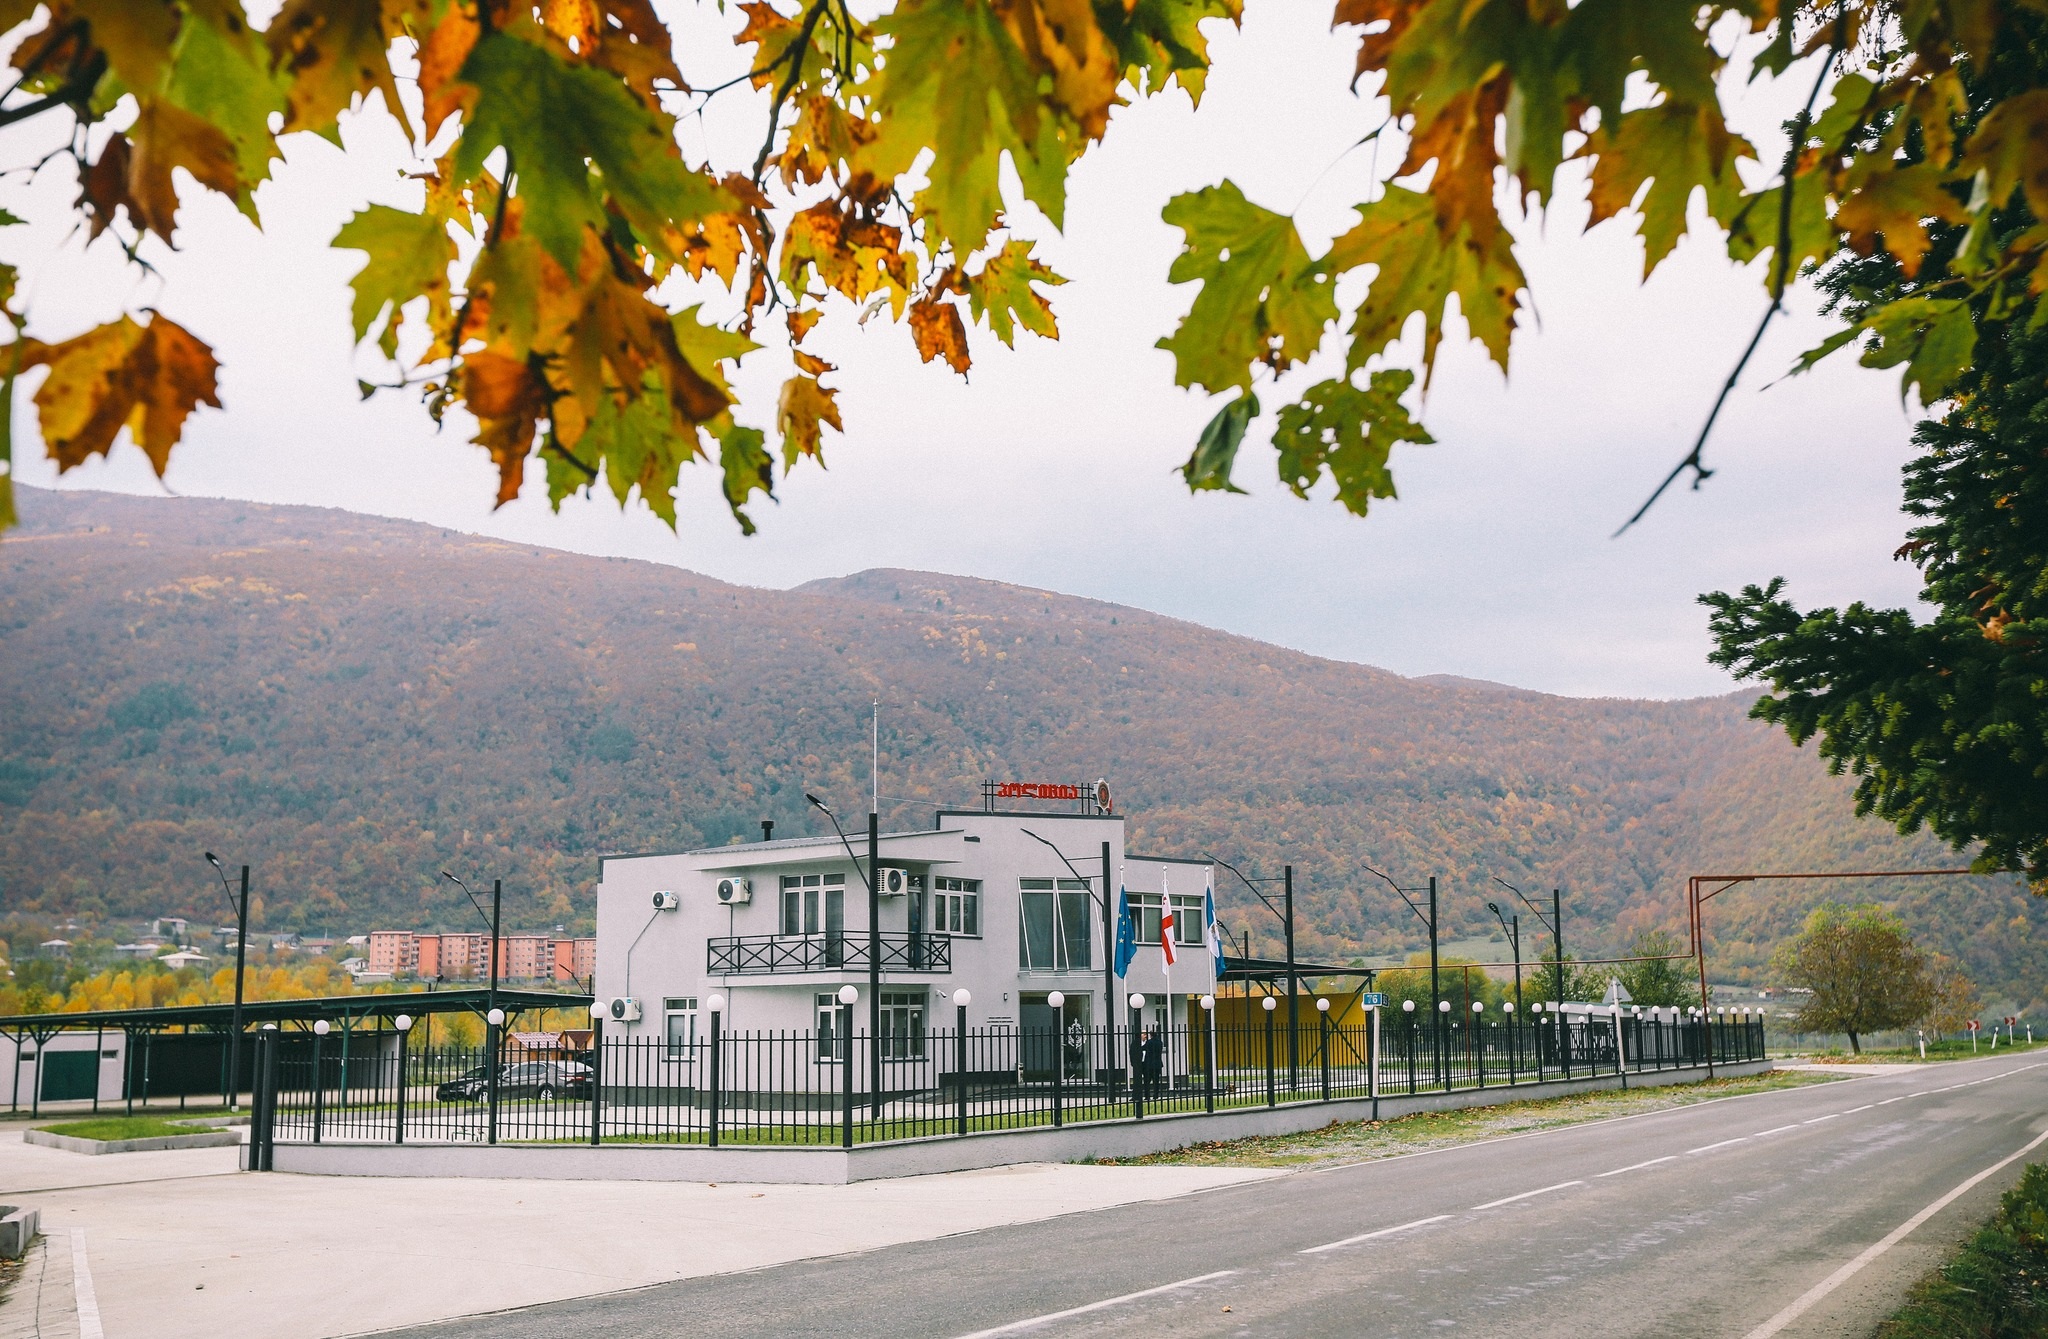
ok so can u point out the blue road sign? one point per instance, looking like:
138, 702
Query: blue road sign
1372, 999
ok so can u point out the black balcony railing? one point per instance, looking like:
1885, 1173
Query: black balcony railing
769, 955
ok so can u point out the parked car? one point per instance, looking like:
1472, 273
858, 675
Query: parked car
543, 1079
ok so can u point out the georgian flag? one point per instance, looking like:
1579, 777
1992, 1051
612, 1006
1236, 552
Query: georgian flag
1166, 933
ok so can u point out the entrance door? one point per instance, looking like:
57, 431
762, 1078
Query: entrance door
1038, 1025
70, 1075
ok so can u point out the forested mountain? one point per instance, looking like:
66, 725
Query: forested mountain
353, 704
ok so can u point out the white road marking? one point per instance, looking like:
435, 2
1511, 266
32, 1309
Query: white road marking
1865, 1107
1830, 1116
1638, 1166
1889, 1100
1775, 1129
89, 1326
1709, 1148
1897, 1234
1020, 1326
1527, 1194
1368, 1236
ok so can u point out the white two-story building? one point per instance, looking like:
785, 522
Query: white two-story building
981, 900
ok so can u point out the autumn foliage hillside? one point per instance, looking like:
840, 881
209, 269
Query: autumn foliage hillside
354, 704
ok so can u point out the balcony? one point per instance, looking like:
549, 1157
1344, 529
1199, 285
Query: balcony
785, 955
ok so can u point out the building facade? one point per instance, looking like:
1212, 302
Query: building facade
977, 901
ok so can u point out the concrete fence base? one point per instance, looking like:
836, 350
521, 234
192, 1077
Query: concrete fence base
73, 1144
829, 1165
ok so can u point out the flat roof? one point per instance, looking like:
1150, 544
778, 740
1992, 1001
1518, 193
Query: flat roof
219, 1016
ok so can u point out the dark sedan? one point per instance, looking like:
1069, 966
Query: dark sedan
542, 1079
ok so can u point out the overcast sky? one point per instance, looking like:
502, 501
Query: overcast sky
1053, 466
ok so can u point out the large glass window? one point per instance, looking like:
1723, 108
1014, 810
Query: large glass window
1187, 917
903, 1024
956, 906
813, 904
1144, 912
680, 1012
1054, 920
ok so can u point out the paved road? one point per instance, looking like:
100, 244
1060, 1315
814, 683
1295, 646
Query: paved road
1703, 1221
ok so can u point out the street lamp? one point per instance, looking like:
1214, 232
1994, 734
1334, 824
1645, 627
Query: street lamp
1513, 926
1108, 934
1285, 911
241, 959
867, 877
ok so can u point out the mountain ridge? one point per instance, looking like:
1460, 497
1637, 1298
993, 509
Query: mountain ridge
356, 703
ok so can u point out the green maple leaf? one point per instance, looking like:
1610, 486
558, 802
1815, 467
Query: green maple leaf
1002, 294
953, 80
1350, 432
707, 346
409, 256
1934, 337
1676, 148
560, 121
1161, 41
223, 74
1420, 272
745, 464
1753, 226
1215, 454
1263, 300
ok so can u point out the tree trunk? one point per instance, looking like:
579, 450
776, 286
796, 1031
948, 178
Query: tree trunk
1854, 1049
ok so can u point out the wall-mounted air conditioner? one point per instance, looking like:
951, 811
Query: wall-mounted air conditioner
892, 880
623, 1009
735, 890
666, 901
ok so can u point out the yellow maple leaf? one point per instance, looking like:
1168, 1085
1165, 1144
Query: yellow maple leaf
145, 378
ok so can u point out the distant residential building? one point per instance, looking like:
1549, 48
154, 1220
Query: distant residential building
394, 952
147, 948
174, 926
575, 959
526, 957
184, 958
55, 948
355, 965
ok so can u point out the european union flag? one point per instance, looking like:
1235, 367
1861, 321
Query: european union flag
1126, 934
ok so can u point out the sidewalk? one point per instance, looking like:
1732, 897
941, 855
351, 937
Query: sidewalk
182, 1247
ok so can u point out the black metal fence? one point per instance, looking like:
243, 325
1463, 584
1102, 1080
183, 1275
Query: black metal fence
819, 1088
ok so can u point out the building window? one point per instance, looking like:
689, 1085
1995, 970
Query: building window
813, 904
956, 906
1055, 925
829, 1007
903, 1024
1187, 917
681, 1029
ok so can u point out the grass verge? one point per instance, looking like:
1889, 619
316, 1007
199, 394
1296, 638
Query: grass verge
1356, 1141
123, 1127
1997, 1285
1945, 1049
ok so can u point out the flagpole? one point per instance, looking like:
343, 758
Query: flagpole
1166, 967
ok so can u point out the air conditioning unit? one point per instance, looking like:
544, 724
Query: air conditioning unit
892, 880
666, 901
624, 1009
735, 890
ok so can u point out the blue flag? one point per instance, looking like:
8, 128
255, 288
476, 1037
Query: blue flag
1210, 934
1126, 934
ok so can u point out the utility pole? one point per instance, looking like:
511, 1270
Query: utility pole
1108, 964
874, 965
241, 963
1514, 933
1293, 1026
1557, 936
1435, 991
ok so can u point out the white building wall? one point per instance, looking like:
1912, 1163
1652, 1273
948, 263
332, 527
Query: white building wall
653, 955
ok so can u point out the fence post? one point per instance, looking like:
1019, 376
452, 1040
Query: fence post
1134, 1046
1209, 1057
398, 1130
1323, 1012
319, 1084
596, 1079
1059, 1078
491, 1049
1479, 1049
263, 1109
960, 1069
717, 1072
846, 1075
1269, 1006
1372, 1053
